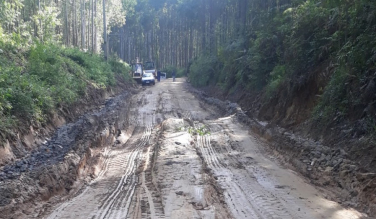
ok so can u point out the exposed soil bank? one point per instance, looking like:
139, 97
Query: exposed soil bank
26, 138
57, 159
328, 156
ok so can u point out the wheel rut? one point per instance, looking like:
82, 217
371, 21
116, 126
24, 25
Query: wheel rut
116, 183
181, 158
247, 198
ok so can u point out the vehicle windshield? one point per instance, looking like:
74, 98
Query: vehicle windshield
147, 75
149, 65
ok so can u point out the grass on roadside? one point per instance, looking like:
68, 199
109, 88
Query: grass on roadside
37, 79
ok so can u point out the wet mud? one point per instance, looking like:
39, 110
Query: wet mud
163, 152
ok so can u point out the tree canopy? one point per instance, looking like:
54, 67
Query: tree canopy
254, 44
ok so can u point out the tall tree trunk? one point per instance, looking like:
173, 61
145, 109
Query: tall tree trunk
95, 42
66, 24
35, 25
88, 26
105, 31
129, 50
92, 25
211, 26
40, 22
75, 26
203, 20
190, 54
83, 35
121, 43
150, 45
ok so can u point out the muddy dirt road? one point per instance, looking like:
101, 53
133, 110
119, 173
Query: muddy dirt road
183, 159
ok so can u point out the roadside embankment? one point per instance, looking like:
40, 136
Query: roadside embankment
62, 160
331, 168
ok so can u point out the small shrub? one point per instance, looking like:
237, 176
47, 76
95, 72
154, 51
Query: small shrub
277, 77
198, 131
333, 102
181, 72
202, 71
121, 68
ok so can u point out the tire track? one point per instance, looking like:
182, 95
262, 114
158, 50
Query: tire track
106, 154
148, 194
131, 167
237, 200
247, 198
275, 202
150, 191
213, 176
121, 197
103, 198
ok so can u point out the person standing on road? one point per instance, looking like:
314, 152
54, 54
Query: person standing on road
158, 76
173, 75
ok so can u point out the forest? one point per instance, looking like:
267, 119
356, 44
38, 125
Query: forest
319, 53
298, 74
270, 51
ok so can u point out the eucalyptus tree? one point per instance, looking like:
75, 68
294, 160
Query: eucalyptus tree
77, 23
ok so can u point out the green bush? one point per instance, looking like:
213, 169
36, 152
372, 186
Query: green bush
333, 102
121, 68
35, 81
202, 72
48, 65
94, 67
23, 95
179, 72
278, 76
353, 58
169, 69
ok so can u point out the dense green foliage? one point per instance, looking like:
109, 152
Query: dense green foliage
38, 74
179, 72
78, 23
256, 45
37, 79
287, 44
207, 64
